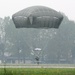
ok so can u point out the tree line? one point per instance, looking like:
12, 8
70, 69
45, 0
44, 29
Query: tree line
57, 45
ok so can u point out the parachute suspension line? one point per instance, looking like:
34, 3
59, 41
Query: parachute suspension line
42, 41
30, 41
47, 39
45, 42
28, 38
33, 39
37, 40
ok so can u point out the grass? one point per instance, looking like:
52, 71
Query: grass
37, 71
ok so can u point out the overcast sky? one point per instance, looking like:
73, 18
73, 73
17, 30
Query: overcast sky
9, 7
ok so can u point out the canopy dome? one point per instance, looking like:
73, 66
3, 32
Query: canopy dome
37, 17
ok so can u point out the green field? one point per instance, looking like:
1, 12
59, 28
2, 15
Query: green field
37, 71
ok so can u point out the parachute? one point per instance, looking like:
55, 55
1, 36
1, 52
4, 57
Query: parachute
37, 17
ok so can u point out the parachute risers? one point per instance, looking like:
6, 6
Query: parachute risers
37, 17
